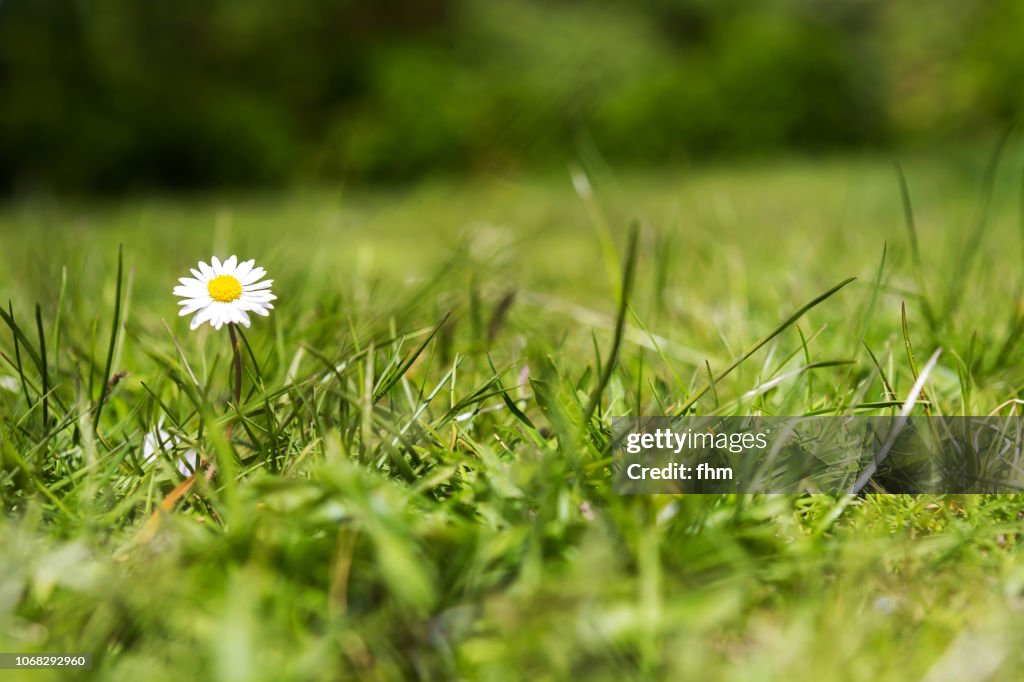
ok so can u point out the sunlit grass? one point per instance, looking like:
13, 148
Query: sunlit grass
414, 484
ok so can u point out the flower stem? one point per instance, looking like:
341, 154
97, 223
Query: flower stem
238, 365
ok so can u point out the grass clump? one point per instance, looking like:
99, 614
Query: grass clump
414, 482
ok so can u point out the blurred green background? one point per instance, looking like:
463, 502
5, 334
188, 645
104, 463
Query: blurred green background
115, 95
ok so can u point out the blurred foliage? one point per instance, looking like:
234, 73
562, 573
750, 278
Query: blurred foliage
115, 94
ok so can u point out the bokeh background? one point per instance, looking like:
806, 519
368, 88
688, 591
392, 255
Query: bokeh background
117, 95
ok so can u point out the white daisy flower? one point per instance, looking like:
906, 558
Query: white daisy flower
158, 440
225, 293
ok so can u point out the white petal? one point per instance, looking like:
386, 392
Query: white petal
196, 303
156, 441
217, 267
188, 463
229, 265
265, 284
217, 318
254, 275
250, 303
206, 270
198, 275
190, 308
227, 313
243, 317
188, 281
258, 308
148, 448
258, 296
190, 291
202, 316
244, 268
153, 443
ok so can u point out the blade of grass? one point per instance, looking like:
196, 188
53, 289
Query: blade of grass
45, 373
967, 256
711, 382
909, 346
877, 405
772, 383
58, 318
1016, 325
915, 249
898, 425
680, 384
584, 190
886, 386
113, 339
387, 382
509, 403
807, 362
875, 288
628, 277
788, 322
19, 335
9, 318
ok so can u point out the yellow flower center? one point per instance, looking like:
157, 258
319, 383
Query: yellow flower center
224, 288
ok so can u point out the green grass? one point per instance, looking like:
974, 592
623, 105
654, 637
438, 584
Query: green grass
402, 494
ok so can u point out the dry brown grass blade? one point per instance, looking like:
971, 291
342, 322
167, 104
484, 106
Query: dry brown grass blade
166, 506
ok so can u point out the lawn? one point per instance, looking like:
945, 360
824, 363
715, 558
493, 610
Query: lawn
415, 484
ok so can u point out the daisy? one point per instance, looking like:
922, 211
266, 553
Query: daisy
225, 293
159, 440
